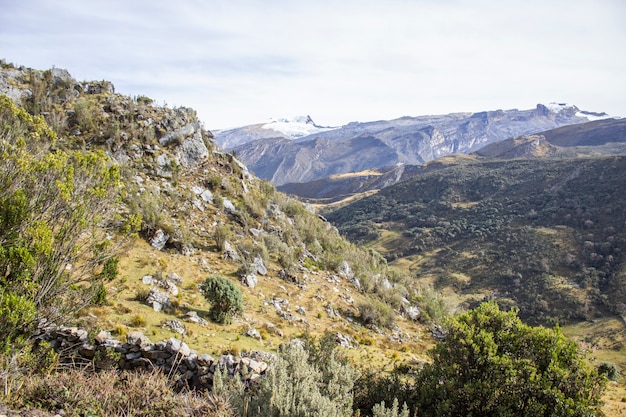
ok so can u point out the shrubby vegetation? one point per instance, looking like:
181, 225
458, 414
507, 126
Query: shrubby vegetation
492, 364
225, 298
518, 227
56, 208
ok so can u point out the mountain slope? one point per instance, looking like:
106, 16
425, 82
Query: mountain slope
202, 213
408, 140
545, 235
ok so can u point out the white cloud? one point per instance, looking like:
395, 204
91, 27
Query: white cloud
244, 61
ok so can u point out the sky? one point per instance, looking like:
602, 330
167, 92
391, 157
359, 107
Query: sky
240, 62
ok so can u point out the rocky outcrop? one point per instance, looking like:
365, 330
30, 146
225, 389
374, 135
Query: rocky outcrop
187, 367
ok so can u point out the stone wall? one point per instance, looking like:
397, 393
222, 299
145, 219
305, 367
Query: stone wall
185, 366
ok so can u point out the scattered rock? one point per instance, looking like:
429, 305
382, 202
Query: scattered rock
158, 300
193, 317
175, 326
254, 333
259, 266
159, 239
250, 280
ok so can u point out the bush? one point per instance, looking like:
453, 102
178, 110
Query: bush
225, 298
492, 364
306, 380
376, 313
609, 370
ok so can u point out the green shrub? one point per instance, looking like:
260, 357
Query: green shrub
609, 370
492, 364
225, 298
376, 313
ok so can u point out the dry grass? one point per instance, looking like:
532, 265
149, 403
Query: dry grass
109, 393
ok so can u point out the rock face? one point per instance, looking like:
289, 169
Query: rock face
409, 140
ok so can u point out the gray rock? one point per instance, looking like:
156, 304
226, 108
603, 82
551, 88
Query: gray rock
175, 326
158, 300
254, 333
230, 254
259, 266
159, 239
178, 347
193, 151
174, 277
137, 339
163, 166
345, 270
193, 317
250, 280
229, 207
148, 280
177, 136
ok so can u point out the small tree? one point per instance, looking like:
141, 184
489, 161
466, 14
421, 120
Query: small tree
492, 364
225, 298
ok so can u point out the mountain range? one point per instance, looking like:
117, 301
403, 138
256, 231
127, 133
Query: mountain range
278, 155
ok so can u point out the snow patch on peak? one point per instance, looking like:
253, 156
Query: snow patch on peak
589, 115
592, 116
558, 107
296, 127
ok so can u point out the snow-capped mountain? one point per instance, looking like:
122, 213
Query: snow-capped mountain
291, 128
355, 147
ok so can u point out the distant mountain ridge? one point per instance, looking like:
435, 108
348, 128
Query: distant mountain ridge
408, 140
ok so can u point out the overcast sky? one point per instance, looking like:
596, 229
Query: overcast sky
240, 62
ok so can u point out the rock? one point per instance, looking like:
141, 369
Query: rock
170, 287
174, 277
250, 280
163, 167
343, 340
259, 266
158, 300
205, 359
137, 339
103, 336
148, 280
346, 271
301, 310
438, 332
175, 326
207, 196
229, 253
257, 367
178, 135
229, 207
253, 333
193, 151
193, 317
159, 239
255, 232
413, 312
178, 347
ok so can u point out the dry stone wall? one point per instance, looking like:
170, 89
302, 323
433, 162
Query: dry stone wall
184, 365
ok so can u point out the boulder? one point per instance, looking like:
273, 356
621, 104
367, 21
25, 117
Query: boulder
159, 239
158, 300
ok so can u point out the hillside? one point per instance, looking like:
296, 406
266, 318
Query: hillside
125, 219
203, 213
544, 235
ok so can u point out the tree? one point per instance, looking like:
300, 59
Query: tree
57, 223
225, 298
492, 364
